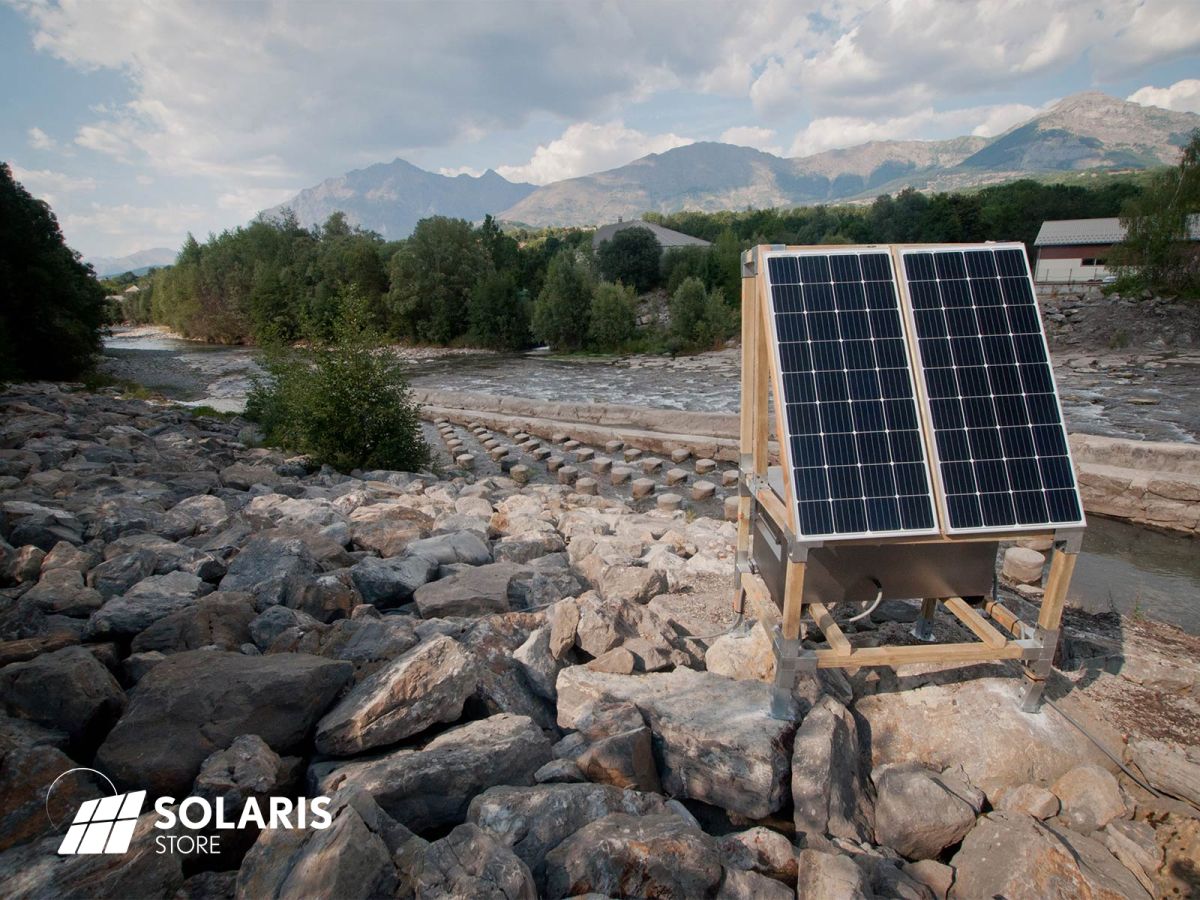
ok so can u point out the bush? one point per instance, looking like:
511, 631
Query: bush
499, 313
700, 319
613, 318
563, 309
631, 256
345, 402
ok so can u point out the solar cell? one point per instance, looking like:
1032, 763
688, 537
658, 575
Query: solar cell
999, 439
854, 442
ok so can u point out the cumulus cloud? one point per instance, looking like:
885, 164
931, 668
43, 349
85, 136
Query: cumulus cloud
126, 228
1182, 96
764, 139
39, 140
52, 186
460, 170
585, 148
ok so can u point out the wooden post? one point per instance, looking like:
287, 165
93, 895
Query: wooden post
793, 601
1062, 565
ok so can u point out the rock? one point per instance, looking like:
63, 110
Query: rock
538, 663
195, 515
209, 886
432, 787
714, 738
761, 850
426, 685
136, 665
1169, 767
620, 475
470, 862
328, 597
976, 725
274, 570
617, 661
195, 703
455, 547
1030, 799
242, 477
651, 464
630, 584
919, 813
391, 582
643, 856
830, 790
465, 461
676, 476
739, 884
624, 760
352, 859
1091, 798
68, 690
825, 875
275, 620
567, 474
559, 771
117, 575
35, 871
934, 875
475, 592
563, 618
1012, 855
148, 601
1022, 565
669, 502
748, 655
585, 485
219, 620
520, 474
703, 490
532, 821
730, 509
247, 768
62, 592
67, 556
1135, 844
25, 564
641, 487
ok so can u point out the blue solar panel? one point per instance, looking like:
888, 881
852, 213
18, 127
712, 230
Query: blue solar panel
1001, 446
854, 443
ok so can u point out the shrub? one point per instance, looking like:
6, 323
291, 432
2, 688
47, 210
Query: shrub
613, 318
345, 402
563, 309
499, 313
699, 318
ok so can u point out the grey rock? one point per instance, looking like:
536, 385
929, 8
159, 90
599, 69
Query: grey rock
1170, 767
455, 547
470, 862
477, 592
148, 601
135, 666
631, 584
919, 813
559, 771
426, 685
830, 788
624, 759
433, 786
1031, 799
247, 768
824, 875
540, 666
197, 702
390, 582
1090, 797
761, 850
68, 690
273, 570
62, 592
117, 575
275, 620
1135, 844
221, 620
739, 884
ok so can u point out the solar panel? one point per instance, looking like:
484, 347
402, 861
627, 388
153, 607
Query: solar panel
854, 444
1000, 443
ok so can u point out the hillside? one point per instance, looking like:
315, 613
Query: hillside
138, 262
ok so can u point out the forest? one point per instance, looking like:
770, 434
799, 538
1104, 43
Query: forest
455, 283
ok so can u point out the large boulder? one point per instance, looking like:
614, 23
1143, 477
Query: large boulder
426, 685
470, 862
1013, 855
62, 592
1172, 768
830, 790
433, 786
478, 591
919, 813
352, 859
145, 603
455, 547
1090, 797
68, 690
194, 703
635, 856
221, 620
272, 569
714, 738
388, 528
976, 725
532, 821
390, 582
825, 875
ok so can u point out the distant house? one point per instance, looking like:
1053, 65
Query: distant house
1079, 249
666, 237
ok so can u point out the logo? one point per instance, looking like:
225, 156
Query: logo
107, 825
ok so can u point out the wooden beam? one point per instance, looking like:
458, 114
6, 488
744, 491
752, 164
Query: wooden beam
1061, 568
920, 653
773, 505
762, 606
793, 600
1006, 618
973, 620
829, 628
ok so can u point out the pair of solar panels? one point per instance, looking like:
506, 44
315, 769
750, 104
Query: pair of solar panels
857, 406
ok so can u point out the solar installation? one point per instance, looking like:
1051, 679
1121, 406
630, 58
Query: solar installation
855, 444
999, 441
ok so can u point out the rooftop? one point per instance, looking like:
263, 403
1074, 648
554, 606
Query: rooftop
1065, 232
666, 237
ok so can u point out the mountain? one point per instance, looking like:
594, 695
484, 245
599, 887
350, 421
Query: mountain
391, 198
137, 262
1082, 132
1088, 131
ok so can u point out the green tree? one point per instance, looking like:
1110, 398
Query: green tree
502, 249
613, 319
432, 277
700, 319
345, 401
632, 256
499, 313
562, 312
679, 263
51, 305
1157, 250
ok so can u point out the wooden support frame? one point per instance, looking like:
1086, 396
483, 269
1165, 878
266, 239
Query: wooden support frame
999, 634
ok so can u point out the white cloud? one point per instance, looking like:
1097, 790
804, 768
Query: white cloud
585, 148
1182, 96
39, 140
764, 139
247, 202
126, 228
461, 170
51, 186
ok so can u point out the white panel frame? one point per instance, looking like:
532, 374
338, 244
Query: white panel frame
932, 454
785, 440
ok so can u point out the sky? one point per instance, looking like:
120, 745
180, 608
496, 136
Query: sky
141, 122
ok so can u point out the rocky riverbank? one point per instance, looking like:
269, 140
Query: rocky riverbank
517, 690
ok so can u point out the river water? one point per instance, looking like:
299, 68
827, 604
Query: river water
1123, 567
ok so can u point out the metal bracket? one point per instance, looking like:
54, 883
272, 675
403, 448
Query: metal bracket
1069, 540
749, 266
791, 661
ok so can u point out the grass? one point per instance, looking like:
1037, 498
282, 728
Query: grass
207, 412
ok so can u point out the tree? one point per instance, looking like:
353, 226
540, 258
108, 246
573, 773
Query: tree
51, 305
679, 263
613, 319
632, 256
562, 311
1157, 249
700, 318
499, 313
432, 277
